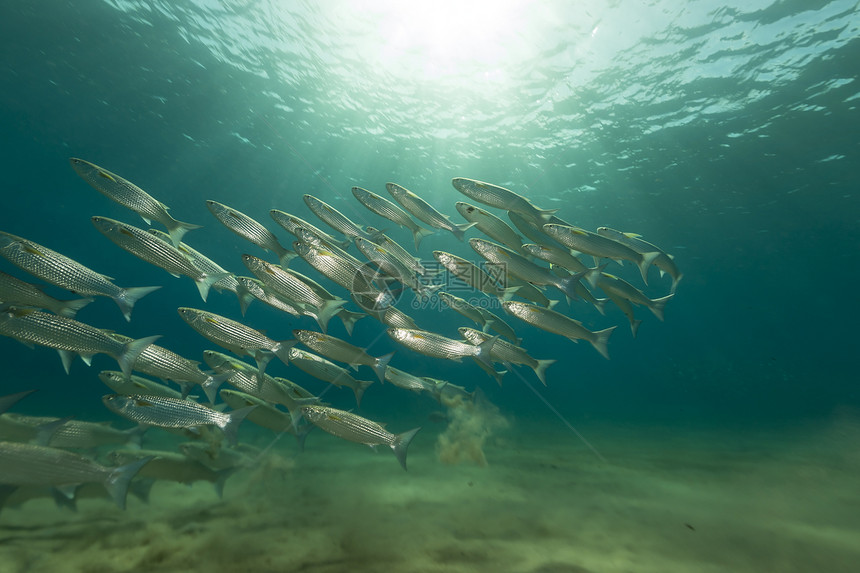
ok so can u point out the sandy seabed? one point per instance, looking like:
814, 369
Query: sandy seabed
665, 500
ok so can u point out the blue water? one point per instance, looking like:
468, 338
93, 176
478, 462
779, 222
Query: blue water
724, 133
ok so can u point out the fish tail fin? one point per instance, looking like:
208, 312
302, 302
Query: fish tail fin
460, 229
568, 286
401, 443
245, 297
381, 365
69, 308
130, 351
262, 357
508, 293
485, 351
10, 400
419, 233
221, 477
675, 280
658, 304
117, 481
601, 337
177, 229
135, 436
185, 388
46, 431
231, 426
359, 390
634, 326
128, 296
285, 256
645, 262
600, 305
545, 215
540, 368
295, 410
327, 310
302, 435
212, 383
283, 350
205, 282
349, 319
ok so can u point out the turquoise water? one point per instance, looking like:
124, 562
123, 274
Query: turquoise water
724, 134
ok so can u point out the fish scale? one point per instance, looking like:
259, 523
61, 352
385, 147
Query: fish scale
69, 335
249, 229
41, 465
332, 217
28, 464
155, 251
130, 195
385, 208
166, 412
354, 428
424, 211
15, 291
60, 270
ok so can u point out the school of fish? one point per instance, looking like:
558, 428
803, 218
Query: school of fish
525, 278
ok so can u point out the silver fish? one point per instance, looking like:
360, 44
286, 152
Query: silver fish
529, 228
208, 266
60, 270
343, 351
333, 218
155, 251
264, 415
491, 226
520, 266
501, 198
624, 305
10, 400
16, 292
438, 346
328, 371
130, 195
463, 307
165, 364
347, 317
598, 246
475, 276
28, 464
555, 256
504, 351
385, 208
64, 432
392, 266
422, 210
258, 290
171, 466
612, 285
235, 336
339, 269
70, 337
250, 229
665, 262
395, 249
291, 286
360, 430
407, 381
292, 224
175, 413
557, 323
135, 385
248, 379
